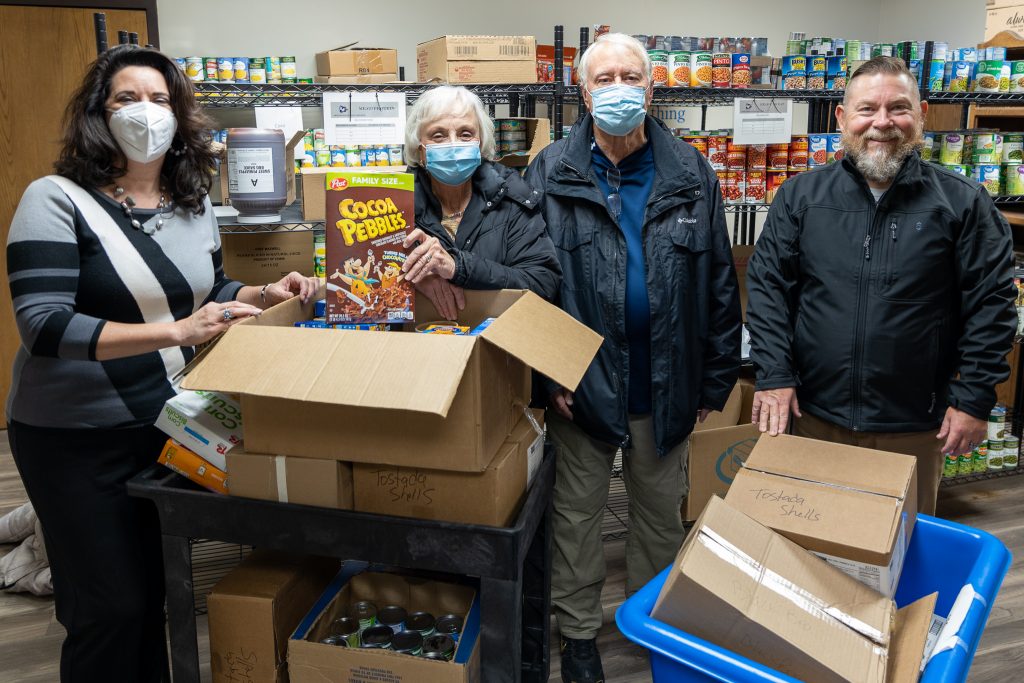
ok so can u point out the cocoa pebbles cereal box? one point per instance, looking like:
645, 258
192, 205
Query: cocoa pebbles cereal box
368, 216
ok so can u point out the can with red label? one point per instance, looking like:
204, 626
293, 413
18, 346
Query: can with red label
834, 147
817, 150
774, 181
757, 158
798, 152
722, 178
735, 183
718, 151
778, 156
721, 70
736, 156
754, 192
699, 142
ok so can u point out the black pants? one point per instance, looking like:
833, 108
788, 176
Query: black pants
104, 548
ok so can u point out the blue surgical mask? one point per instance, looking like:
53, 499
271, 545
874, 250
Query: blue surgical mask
618, 109
453, 163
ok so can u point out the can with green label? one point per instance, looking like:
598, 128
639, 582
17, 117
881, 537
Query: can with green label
995, 455
979, 458
951, 466
1013, 148
997, 424
1013, 180
1011, 452
988, 76
965, 464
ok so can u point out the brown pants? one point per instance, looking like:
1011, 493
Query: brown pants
922, 445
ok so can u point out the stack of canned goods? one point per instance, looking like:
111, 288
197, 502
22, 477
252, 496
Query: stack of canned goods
510, 135
812, 72
252, 70
686, 69
1001, 451
317, 153
992, 158
743, 45
391, 627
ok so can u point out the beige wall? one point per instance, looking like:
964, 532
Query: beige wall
960, 23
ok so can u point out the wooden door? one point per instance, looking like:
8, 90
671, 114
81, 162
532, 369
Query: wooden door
44, 54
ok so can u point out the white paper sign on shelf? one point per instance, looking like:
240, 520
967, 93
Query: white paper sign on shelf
762, 121
286, 119
364, 118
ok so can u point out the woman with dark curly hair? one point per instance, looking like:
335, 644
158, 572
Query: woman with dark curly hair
115, 271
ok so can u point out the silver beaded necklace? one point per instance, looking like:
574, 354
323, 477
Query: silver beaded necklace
128, 205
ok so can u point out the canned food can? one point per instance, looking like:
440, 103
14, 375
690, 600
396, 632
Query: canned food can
989, 176
959, 76
735, 157
966, 464
226, 69
773, 182
699, 143
257, 70
721, 70
836, 73
979, 458
735, 186
407, 643
365, 612
376, 638
195, 69
320, 257
756, 187
421, 622
449, 625
816, 80
180, 61
794, 47
926, 147
337, 157
757, 157
817, 150
1017, 76
1011, 451
988, 148
322, 156
799, 146
393, 617
940, 51
700, 69
961, 169
993, 53
995, 456
722, 177
381, 155
212, 69
241, 68
951, 466
883, 50
347, 629
835, 147
951, 148
989, 74
440, 644
997, 424
1013, 179
434, 655
353, 157
679, 69
273, 69
367, 155
778, 157
740, 70
512, 125
288, 72
936, 70
334, 640
308, 159
1004, 77
794, 72
395, 155
718, 152
659, 66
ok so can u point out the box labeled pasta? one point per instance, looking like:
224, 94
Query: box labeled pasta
368, 217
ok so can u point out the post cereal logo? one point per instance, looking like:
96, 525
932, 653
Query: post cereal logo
339, 183
732, 459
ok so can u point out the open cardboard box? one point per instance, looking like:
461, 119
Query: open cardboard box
538, 135
310, 661
289, 479
853, 507
353, 61
397, 398
718, 447
743, 587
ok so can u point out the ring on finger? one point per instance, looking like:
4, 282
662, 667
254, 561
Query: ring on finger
228, 315
429, 256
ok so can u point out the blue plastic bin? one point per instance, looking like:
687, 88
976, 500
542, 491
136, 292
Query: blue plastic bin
943, 556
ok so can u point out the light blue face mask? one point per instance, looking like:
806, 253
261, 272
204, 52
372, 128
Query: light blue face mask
453, 163
618, 109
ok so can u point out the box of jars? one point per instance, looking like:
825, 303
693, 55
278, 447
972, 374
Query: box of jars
388, 627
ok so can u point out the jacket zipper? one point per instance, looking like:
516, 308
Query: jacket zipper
862, 287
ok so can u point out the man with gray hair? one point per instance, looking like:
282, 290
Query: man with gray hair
638, 223
881, 291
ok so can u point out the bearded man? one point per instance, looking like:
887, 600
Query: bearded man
881, 291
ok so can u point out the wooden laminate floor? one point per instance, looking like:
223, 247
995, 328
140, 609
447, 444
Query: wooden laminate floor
30, 637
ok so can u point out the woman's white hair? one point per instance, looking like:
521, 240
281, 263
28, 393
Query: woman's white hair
613, 39
436, 103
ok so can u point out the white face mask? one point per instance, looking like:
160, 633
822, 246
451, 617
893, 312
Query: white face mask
143, 130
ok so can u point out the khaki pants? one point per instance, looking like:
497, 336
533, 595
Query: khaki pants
655, 487
922, 445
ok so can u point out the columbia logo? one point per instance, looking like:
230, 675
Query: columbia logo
918, 226
687, 220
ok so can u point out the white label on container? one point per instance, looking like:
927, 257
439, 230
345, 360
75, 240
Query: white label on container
534, 455
933, 637
882, 578
250, 170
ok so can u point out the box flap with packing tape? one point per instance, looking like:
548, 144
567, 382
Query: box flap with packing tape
854, 507
254, 609
739, 585
492, 497
717, 449
455, 398
290, 479
352, 61
311, 661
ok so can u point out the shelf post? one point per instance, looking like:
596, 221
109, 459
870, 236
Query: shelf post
559, 96
99, 22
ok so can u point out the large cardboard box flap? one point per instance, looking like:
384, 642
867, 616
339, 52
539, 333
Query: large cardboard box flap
742, 586
545, 338
324, 371
830, 498
909, 640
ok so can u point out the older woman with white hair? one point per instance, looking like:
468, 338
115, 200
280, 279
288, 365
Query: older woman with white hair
478, 223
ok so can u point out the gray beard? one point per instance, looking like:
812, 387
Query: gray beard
881, 167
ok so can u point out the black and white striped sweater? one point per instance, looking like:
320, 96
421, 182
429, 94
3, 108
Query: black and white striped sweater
69, 276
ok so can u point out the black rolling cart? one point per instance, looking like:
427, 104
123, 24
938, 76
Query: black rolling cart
511, 563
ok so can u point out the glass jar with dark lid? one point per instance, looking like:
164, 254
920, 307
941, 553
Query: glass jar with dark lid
347, 629
407, 642
434, 655
377, 637
441, 644
423, 622
449, 625
365, 612
392, 616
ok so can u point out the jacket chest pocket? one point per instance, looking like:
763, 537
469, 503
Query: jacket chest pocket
917, 263
576, 255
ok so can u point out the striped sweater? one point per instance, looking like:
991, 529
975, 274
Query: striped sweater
68, 278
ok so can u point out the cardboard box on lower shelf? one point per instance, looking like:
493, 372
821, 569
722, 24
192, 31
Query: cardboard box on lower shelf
310, 661
741, 586
538, 136
254, 609
853, 507
290, 479
443, 402
492, 497
717, 449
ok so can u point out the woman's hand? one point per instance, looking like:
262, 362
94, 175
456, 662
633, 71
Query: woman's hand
292, 284
211, 320
447, 298
429, 258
